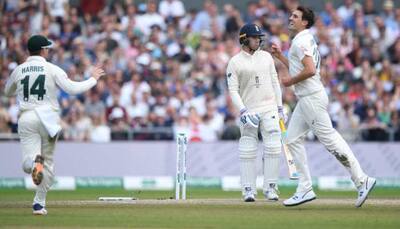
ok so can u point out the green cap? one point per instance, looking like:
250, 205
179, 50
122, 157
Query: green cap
37, 42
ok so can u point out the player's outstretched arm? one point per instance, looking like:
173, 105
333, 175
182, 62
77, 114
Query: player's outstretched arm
73, 87
277, 53
98, 72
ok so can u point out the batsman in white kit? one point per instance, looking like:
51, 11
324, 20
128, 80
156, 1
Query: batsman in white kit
255, 91
34, 83
311, 111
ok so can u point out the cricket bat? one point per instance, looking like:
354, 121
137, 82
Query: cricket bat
293, 174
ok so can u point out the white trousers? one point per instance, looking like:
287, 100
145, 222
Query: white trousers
311, 112
248, 144
35, 140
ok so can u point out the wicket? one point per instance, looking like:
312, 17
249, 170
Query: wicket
181, 147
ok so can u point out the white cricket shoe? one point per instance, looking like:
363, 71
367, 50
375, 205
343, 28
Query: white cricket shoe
249, 195
271, 193
364, 190
39, 210
300, 198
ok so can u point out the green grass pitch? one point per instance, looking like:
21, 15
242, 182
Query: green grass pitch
206, 208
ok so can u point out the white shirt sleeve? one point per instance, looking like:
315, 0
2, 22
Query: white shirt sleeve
233, 86
275, 82
11, 85
69, 86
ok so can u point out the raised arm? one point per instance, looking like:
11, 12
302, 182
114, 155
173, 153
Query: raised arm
73, 87
277, 53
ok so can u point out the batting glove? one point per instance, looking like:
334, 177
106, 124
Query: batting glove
252, 120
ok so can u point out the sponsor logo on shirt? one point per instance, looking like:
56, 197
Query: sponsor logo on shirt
257, 78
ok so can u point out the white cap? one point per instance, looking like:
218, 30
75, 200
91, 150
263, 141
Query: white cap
117, 112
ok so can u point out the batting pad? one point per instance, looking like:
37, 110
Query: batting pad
248, 156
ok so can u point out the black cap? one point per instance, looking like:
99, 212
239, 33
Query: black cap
37, 42
250, 30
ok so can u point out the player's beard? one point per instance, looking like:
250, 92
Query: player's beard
292, 32
292, 28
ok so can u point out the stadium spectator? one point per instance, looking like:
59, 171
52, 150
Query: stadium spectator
150, 18
13, 112
99, 131
171, 9
93, 104
78, 124
4, 120
348, 123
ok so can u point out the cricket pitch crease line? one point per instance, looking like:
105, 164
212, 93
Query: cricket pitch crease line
227, 202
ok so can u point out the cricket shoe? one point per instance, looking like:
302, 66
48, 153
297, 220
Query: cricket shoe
37, 173
248, 195
300, 198
39, 210
271, 193
364, 190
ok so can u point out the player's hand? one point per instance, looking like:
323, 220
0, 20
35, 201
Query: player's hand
251, 120
276, 50
286, 81
97, 72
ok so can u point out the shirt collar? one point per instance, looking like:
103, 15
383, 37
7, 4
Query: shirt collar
306, 31
37, 58
246, 54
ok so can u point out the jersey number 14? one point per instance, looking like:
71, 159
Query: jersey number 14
36, 89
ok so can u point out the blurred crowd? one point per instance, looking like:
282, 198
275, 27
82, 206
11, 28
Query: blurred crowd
165, 64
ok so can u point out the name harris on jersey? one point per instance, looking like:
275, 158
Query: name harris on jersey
32, 69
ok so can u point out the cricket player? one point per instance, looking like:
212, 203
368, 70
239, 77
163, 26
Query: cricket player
311, 111
255, 91
34, 84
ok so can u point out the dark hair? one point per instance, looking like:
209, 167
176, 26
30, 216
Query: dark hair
308, 15
34, 53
